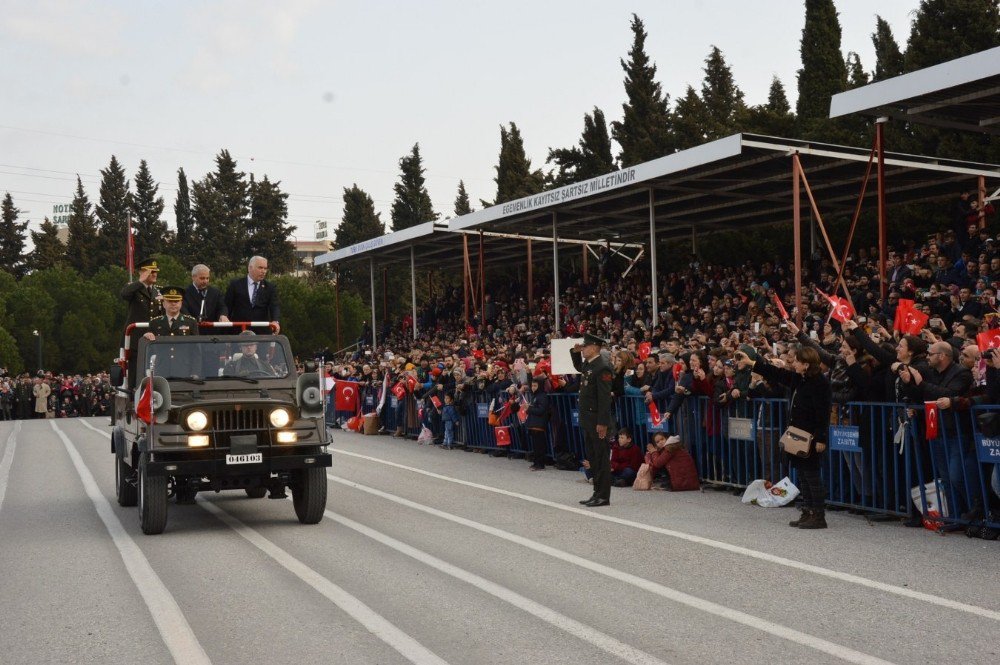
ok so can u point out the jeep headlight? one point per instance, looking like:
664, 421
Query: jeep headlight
280, 417
197, 421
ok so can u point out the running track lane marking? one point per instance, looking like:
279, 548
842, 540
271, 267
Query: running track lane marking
174, 628
579, 630
784, 632
8, 460
717, 544
408, 647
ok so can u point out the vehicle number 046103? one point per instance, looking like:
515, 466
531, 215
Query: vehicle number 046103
253, 458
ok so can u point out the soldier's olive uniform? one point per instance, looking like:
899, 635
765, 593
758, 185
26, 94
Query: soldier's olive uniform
168, 361
595, 409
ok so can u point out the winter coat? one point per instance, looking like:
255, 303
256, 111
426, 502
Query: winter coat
679, 466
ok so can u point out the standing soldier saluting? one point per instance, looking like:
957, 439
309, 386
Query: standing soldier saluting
595, 414
143, 298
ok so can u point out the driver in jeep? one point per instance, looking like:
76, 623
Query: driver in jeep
247, 364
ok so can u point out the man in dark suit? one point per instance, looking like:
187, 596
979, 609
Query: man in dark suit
202, 300
253, 298
596, 408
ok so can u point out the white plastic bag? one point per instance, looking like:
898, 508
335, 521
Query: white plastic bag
425, 436
937, 504
763, 493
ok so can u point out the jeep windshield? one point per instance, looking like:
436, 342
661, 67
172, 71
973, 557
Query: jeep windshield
212, 359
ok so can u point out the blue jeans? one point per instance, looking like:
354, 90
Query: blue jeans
449, 433
627, 474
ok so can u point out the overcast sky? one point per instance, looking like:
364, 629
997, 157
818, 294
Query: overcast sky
322, 95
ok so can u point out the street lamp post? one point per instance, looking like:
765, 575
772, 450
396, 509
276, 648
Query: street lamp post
39, 336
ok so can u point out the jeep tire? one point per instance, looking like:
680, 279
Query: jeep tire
124, 489
256, 492
152, 502
309, 494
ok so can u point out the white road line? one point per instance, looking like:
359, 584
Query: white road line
708, 542
89, 426
579, 630
784, 632
408, 647
174, 628
8, 460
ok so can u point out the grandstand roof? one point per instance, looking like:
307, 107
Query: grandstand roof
738, 181
960, 94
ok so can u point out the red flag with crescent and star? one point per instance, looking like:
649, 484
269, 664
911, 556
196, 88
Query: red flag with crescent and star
502, 435
645, 348
932, 417
842, 310
399, 390
346, 396
988, 340
144, 407
914, 321
654, 414
904, 307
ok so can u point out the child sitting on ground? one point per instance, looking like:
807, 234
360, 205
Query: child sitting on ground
626, 458
668, 457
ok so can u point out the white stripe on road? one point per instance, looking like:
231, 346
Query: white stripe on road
174, 628
579, 630
717, 544
408, 647
89, 426
784, 632
8, 460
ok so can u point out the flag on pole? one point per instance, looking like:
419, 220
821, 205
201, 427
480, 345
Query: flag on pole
502, 435
988, 340
842, 310
654, 414
144, 407
931, 420
781, 307
904, 307
914, 322
346, 396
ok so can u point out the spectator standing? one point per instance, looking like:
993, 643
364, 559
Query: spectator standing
539, 412
41, 392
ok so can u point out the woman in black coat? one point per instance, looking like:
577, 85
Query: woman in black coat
809, 409
537, 422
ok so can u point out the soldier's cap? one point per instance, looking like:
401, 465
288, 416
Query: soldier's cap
593, 339
250, 333
172, 292
148, 264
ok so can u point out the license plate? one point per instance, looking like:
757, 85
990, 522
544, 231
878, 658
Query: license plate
253, 458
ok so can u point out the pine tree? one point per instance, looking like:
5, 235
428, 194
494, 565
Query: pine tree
462, 205
150, 230
590, 158
690, 120
514, 178
823, 73
645, 130
856, 74
888, 57
184, 245
268, 230
112, 215
722, 98
359, 222
81, 246
943, 30
220, 207
12, 237
49, 251
412, 204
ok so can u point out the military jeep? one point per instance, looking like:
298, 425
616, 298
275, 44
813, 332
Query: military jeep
206, 413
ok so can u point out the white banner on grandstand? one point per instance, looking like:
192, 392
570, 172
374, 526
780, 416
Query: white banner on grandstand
562, 362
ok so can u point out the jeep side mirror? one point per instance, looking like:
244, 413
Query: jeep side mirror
117, 375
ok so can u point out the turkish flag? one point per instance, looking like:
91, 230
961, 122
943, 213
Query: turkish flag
436, 401
988, 340
346, 396
932, 416
411, 383
654, 414
914, 322
644, 350
399, 390
144, 408
502, 435
842, 310
904, 307
781, 307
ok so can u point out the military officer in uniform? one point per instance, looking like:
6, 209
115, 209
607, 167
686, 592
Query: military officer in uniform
248, 364
142, 296
595, 414
174, 324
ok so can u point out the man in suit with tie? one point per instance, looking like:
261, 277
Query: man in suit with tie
253, 298
202, 300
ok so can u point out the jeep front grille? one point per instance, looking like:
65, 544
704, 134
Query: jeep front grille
232, 420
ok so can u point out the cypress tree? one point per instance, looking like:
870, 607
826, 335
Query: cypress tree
690, 120
943, 30
722, 98
359, 222
269, 232
590, 158
147, 206
184, 247
773, 118
81, 246
12, 237
856, 74
462, 205
412, 204
888, 57
514, 178
823, 73
644, 132
220, 207
49, 251
112, 215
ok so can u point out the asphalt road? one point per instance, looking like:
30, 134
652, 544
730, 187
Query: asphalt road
434, 556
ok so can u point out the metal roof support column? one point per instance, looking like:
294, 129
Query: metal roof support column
694, 241
482, 288
336, 304
654, 292
880, 170
586, 250
981, 198
413, 292
555, 271
371, 279
465, 276
385, 303
797, 225
531, 280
